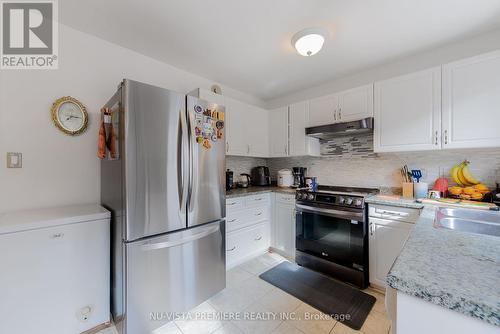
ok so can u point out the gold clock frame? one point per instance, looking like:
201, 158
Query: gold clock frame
55, 108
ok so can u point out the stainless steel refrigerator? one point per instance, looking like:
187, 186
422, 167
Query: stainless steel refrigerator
166, 192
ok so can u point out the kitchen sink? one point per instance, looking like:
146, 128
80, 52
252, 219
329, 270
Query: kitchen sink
471, 221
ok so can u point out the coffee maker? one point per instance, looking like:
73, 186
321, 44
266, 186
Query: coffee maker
299, 177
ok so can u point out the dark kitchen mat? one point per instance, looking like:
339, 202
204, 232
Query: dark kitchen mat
321, 292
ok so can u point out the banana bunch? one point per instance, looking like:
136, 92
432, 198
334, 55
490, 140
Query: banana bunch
462, 175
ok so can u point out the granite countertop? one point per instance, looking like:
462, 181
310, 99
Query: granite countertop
239, 192
394, 200
452, 269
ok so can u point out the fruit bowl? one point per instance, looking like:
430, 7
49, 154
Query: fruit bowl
473, 193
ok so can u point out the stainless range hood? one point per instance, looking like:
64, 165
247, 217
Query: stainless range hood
331, 131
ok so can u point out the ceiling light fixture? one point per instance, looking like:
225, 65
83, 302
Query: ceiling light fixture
309, 41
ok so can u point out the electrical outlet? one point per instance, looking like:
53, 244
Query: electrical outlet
14, 160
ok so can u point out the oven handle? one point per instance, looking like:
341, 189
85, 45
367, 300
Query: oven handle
330, 212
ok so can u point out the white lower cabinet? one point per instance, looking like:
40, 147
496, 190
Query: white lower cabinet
389, 229
258, 222
284, 225
248, 228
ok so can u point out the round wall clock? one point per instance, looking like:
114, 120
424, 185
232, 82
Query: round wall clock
70, 115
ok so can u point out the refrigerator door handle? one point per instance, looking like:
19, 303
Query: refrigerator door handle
193, 164
171, 243
183, 161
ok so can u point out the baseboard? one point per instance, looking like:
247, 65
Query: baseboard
377, 288
97, 328
280, 252
246, 258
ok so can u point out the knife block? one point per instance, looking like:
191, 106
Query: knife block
408, 189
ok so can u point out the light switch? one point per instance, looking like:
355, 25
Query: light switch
14, 160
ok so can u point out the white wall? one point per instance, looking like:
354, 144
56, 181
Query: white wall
435, 57
58, 169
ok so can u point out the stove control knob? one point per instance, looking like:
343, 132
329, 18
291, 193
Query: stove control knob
310, 197
341, 200
348, 201
299, 195
358, 202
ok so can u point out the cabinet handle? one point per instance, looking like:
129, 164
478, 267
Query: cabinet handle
258, 238
232, 249
259, 214
436, 139
340, 113
248, 148
371, 229
285, 149
233, 220
57, 235
446, 137
335, 114
227, 147
232, 203
259, 199
324, 254
392, 213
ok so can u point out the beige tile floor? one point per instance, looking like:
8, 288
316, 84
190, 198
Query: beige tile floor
246, 293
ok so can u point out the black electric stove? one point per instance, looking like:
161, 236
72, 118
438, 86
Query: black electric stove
332, 232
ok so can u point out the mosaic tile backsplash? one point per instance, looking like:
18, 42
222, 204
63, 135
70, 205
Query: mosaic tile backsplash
355, 167
354, 146
382, 170
243, 164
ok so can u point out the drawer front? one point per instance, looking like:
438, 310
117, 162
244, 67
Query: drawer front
408, 215
259, 237
258, 200
235, 246
235, 203
243, 218
285, 198
242, 243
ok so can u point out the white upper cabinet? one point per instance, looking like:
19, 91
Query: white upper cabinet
349, 105
278, 134
471, 102
356, 103
237, 129
299, 143
408, 112
247, 129
323, 110
257, 123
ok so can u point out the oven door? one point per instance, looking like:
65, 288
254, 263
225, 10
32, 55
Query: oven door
335, 235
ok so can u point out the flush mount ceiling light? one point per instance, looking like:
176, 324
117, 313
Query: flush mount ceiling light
309, 41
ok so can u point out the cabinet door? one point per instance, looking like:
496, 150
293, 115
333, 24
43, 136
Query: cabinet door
408, 112
278, 132
298, 143
257, 124
471, 102
323, 110
386, 241
356, 103
237, 127
285, 229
